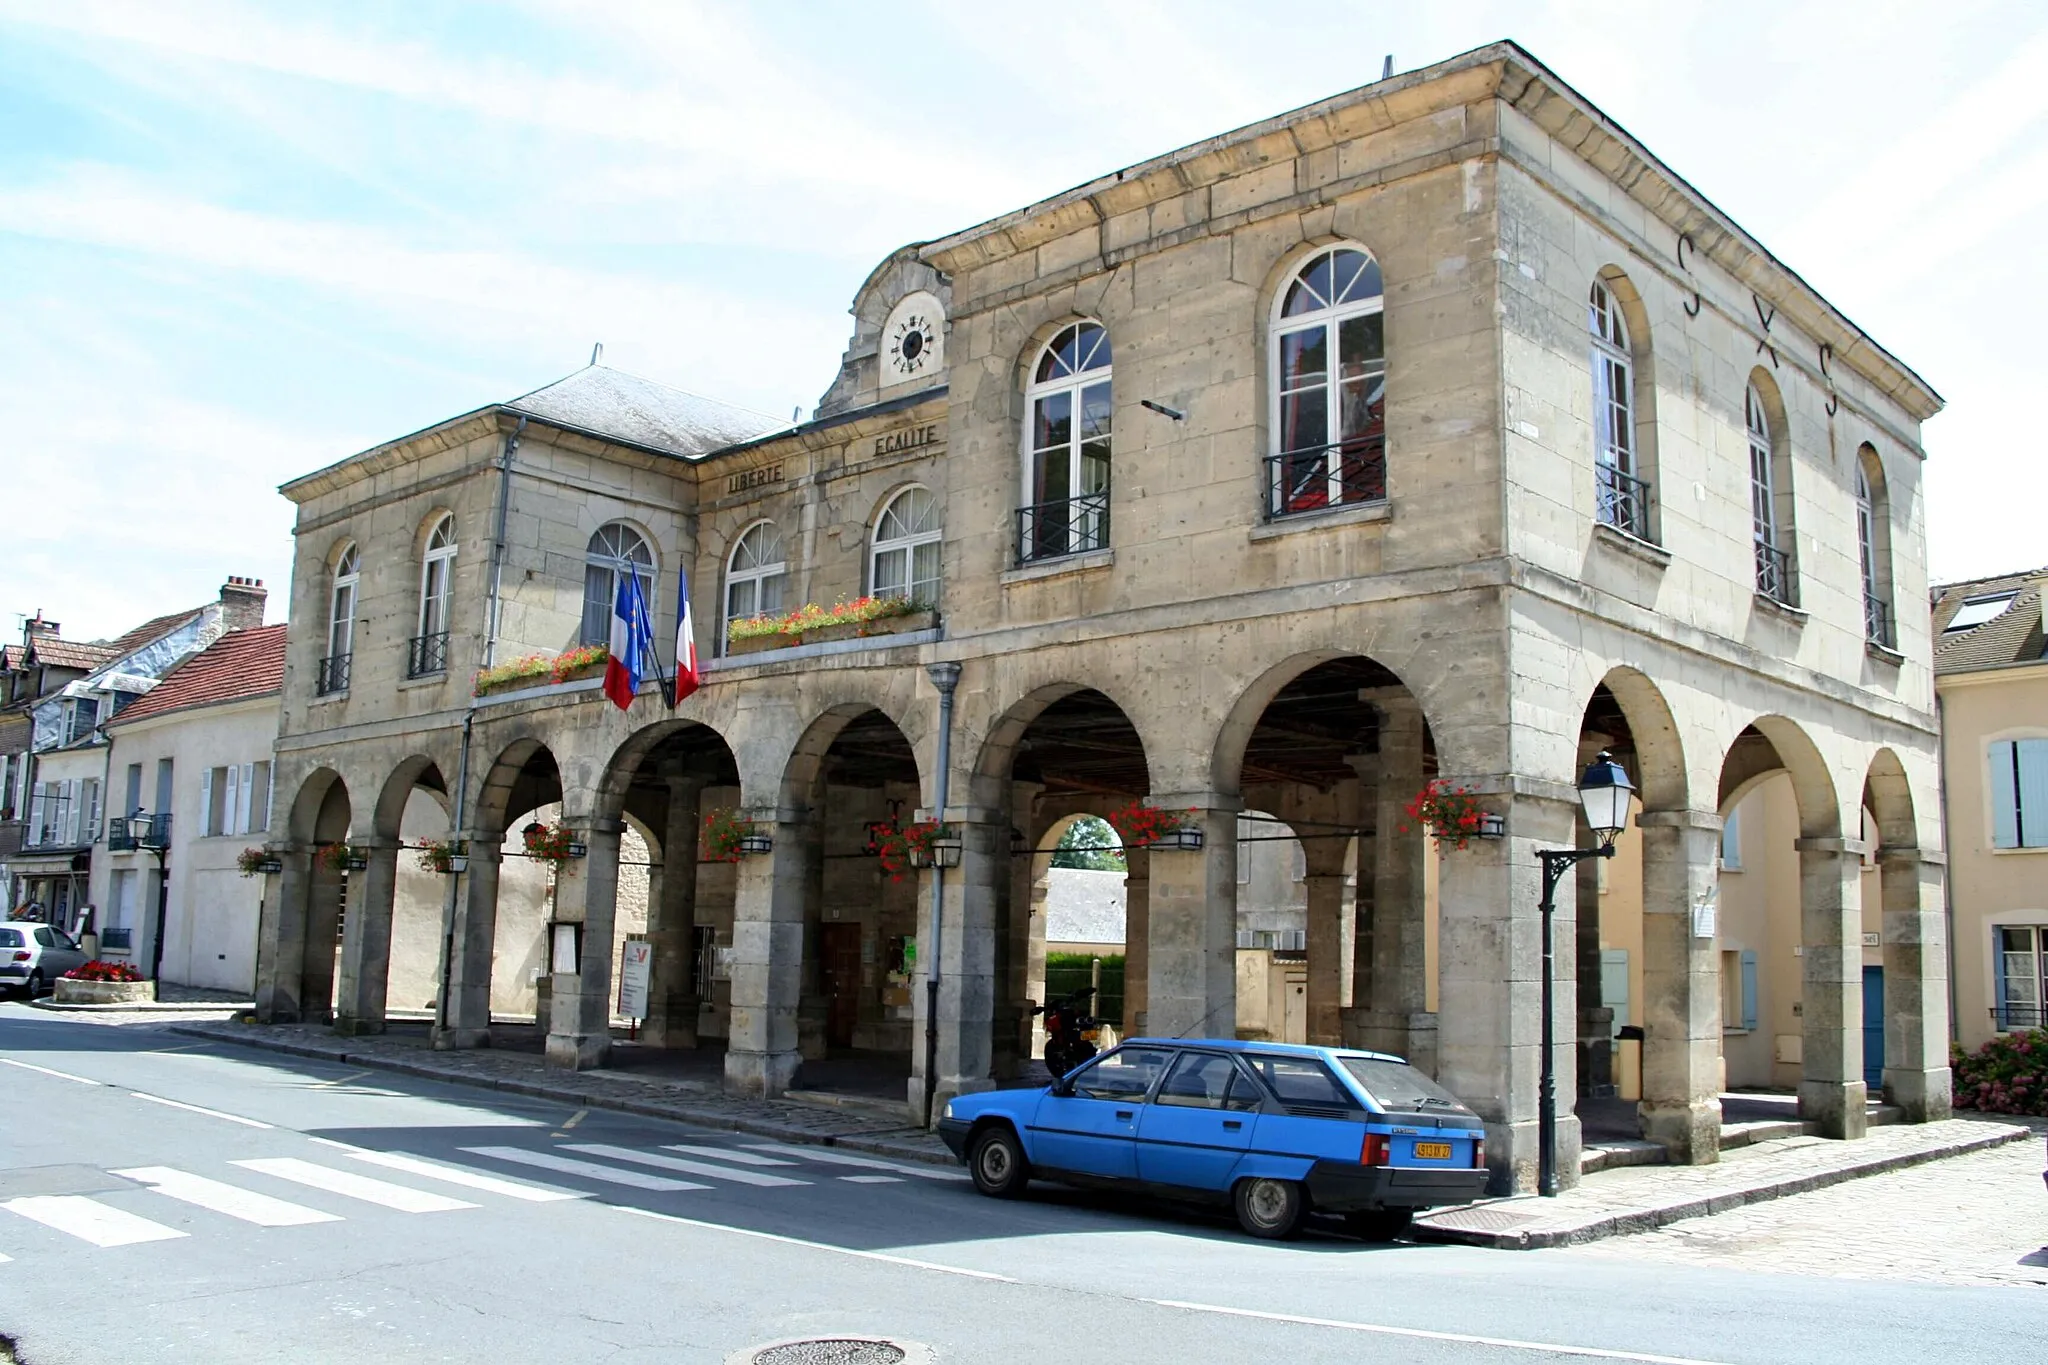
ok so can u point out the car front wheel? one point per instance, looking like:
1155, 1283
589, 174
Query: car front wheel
998, 1164
1270, 1208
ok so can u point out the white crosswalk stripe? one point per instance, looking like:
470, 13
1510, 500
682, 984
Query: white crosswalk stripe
729, 1154
231, 1200
832, 1157
89, 1220
873, 1179
355, 1186
589, 1170
456, 1175
685, 1165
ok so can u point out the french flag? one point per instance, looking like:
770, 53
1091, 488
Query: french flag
632, 642
688, 678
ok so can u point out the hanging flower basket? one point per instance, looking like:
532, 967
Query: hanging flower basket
1142, 826
725, 834
343, 858
900, 847
549, 843
445, 856
254, 862
1452, 815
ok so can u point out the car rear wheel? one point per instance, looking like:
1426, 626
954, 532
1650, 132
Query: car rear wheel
1379, 1225
35, 984
998, 1164
1270, 1208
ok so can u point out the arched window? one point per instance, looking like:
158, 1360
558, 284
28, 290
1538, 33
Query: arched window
1066, 492
428, 653
1874, 543
755, 574
614, 550
1622, 492
341, 623
1769, 501
905, 559
1330, 386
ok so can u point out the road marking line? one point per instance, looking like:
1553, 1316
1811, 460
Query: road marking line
60, 1075
455, 1175
5, 1258
837, 1158
573, 1120
399, 1197
818, 1246
872, 1179
352, 1076
728, 1154
1506, 1343
683, 1164
196, 1109
590, 1170
231, 1200
182, 1047
89, 1220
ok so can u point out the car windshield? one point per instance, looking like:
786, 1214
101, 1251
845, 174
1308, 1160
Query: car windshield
1396, 1085
13, 938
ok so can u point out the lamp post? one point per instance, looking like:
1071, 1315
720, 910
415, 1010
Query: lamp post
1604, 794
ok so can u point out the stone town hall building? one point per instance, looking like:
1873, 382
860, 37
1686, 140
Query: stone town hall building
1435, 429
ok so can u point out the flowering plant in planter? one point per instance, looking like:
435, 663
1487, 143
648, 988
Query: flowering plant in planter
549, 843
252, 861
534, 669
581, 659
100, 970
1452, 814
336, 857
1139, 825
723, 830
901, 847
435, 854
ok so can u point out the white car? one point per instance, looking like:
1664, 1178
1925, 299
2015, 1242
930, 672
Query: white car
34, 955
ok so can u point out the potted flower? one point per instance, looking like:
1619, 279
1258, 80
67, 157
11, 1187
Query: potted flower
725, 835
541, 670
868, 616
549, 843
753, 634
899, 847
1142, 826
574, 665
255, 862
446, 856
341, 857
1452, 815
101, 982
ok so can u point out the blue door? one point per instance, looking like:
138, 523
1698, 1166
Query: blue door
1093, 1129
1198, 1125
1873, 1029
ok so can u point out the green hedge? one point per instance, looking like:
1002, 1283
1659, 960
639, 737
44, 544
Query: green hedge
1066, 972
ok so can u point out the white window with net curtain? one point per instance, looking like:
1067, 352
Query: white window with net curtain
341, 613
1066, 476
755, 574
1621, 497
905, 559
437, 571
613, 551
1330, 391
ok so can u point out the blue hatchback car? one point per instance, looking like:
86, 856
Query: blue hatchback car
1277, 1130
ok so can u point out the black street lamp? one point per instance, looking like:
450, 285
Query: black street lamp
1604, 794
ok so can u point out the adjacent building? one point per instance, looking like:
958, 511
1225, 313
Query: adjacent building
1434, 431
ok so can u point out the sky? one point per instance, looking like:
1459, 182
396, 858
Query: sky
239, 242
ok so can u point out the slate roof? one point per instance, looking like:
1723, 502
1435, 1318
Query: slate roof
239, 665
152, 629
2014, 636
608, 402
1083, 906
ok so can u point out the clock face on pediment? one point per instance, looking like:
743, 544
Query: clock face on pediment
913, 339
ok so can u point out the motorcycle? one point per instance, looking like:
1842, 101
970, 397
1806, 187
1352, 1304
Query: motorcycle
1070, 1031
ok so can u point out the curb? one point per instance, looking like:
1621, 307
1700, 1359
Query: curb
148, 1007
874, 1144
1644, 1220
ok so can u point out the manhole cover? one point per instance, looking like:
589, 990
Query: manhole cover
831, 1351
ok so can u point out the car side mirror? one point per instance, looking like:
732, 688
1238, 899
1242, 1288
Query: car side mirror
1062, 1087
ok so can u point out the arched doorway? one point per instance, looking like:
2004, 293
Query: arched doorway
393, 940
497, 955
1903, 895
301, 937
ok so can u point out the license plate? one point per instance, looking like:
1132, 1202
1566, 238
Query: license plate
1432, 1151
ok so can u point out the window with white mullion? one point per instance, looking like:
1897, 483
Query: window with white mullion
2022, 976
437, 571
613, 550
1068, 438
341, 616
906, 555
1866, 532
755, 574
1614, 384
1329, 395
1763, 498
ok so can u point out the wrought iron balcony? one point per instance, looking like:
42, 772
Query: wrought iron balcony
426, 655
125, 834
1877, 621
1349, 473
1071, 526
1624, 500
120, 837
2010, 1017
332, 676
1774, 573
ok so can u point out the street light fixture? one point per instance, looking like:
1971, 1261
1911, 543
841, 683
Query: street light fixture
1604, 795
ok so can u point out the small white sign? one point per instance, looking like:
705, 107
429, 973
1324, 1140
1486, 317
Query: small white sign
634, 971
1873, 940
1705, 913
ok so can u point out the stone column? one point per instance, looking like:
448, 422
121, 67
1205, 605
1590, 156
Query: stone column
580, 1003
366, 942
671, 926
761, 1056
467, 1016
966, 965
1596, 1018
1191, 938
1916, 968
281, 943
1326, 956
1831, 1088
1138, 941
1399, 1021
1681, 1104
1356, 1017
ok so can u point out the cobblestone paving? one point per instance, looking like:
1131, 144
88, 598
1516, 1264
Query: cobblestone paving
1979, 1219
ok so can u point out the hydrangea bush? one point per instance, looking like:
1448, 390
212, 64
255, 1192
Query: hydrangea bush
2008, 1075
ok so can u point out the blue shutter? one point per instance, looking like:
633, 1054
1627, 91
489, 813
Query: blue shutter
1749, 989
2030, 759
2005, 797
1998, 974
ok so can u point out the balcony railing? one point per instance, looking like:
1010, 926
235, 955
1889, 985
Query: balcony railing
332, 676
1072, 526
1774, 573
2017, 1016
1877, 621
128, 833
426, 655
1347, 474
1624, 500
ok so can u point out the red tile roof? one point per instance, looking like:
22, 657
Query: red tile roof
56, 653
239, 665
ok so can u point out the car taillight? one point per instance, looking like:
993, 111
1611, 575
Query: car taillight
1378, 1149
1478, 1152
21, 957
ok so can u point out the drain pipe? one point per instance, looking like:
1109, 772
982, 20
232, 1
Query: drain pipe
945, 677
498, 544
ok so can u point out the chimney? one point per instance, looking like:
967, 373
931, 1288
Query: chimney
241, 602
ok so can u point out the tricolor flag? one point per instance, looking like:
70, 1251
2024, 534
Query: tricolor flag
688, 679
632, 642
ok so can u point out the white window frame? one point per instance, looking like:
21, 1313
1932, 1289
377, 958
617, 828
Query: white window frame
596, 626
1614, 381
906, 546
2002, 977
1332, 379
341, 602
1763, 483
437, 577
756, 577
1866, 528
1087, 530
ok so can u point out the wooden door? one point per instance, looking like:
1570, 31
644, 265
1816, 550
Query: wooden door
839, 950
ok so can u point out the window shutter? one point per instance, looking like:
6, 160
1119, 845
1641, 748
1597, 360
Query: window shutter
206, 825
269, 792
231, 809
2005, 803
246, 821
92, 815
36, 803
1749, 989
67, 807
2030, 759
